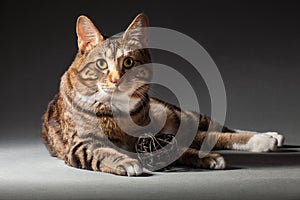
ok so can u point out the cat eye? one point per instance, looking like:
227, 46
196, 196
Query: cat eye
128, 62
102, 64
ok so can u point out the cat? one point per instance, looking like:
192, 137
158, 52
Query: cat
80, 116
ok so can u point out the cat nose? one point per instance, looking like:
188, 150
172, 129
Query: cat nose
114, 77
115, 80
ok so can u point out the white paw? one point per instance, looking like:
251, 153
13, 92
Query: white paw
262, 143
219, 163
214, 161
277, 136
131, 167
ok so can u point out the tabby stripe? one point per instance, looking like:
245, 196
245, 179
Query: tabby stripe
89, 163
99, 162
81, 154
84, 158
139, 61
70, 87
53, 121
75, 161
117, 159
139, 108
98, 165
141, 52
135, 40
76, 147
167, 104
87, 159
74, 157
82, 70
104, 114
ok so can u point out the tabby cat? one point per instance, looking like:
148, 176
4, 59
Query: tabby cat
79, 122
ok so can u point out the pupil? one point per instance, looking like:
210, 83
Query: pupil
128, 61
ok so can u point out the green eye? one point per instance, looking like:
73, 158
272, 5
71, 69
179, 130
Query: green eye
128, 62
102, 64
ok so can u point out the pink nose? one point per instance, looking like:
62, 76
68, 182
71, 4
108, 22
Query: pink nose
114, 77
115, 80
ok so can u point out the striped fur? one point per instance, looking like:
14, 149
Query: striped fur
78, 124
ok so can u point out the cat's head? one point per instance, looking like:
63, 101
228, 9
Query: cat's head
101, 63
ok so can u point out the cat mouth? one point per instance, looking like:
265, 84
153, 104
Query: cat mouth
108, 90
115, 90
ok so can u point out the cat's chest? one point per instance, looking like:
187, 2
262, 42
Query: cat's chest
102, 126
111, 130
108, 125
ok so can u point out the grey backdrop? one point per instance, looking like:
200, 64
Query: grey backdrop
255, 44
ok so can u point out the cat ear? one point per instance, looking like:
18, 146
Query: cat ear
138, 30
87, 33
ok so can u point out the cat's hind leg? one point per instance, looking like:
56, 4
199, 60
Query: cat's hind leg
279, 137
210, 161
241, 140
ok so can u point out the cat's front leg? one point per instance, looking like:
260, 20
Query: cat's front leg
96, 157
115, 162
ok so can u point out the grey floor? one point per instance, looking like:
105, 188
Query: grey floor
28, 172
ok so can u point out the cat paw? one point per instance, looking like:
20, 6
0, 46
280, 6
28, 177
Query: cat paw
213, 161
262, 143
277, 136
130, 167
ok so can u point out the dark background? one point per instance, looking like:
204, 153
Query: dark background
255, 45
